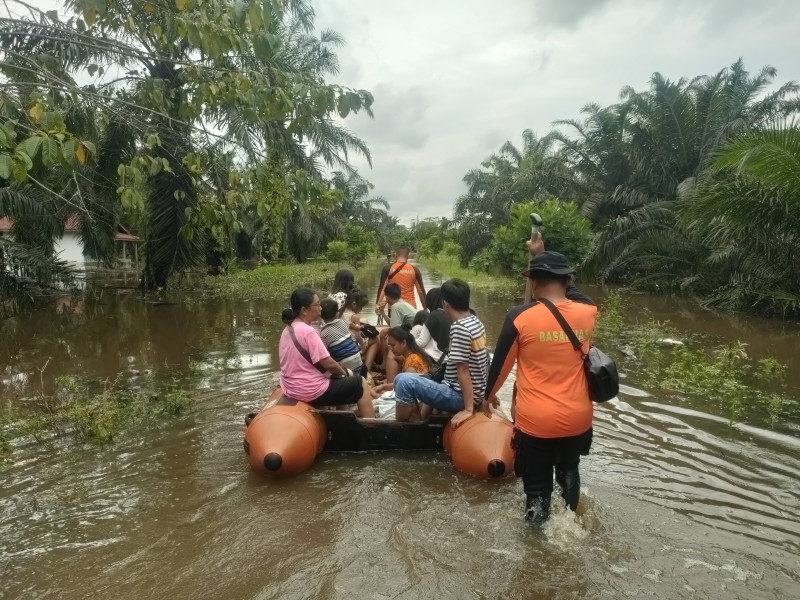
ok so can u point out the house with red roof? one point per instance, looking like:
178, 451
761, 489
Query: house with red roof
70, 249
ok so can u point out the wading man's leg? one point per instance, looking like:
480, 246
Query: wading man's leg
566, 465
534, 463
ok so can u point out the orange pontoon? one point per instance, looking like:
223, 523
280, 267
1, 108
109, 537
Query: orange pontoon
286, 437
481, 446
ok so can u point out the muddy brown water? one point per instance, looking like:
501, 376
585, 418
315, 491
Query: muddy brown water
675, 502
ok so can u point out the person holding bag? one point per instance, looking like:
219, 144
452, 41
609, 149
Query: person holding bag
552, 410
305, 362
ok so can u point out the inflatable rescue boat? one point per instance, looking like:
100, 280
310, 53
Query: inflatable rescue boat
286, 436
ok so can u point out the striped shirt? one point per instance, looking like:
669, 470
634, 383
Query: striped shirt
468, 345
340, 343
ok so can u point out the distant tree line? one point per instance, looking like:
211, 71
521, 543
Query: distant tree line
690, 185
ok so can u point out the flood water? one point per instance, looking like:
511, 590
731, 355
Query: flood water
675, 503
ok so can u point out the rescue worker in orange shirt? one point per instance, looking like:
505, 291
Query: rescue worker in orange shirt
551, 409
403, 274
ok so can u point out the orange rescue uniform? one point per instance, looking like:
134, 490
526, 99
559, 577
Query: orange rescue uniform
552, 393
406, 278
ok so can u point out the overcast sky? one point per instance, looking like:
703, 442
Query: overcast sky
454, 79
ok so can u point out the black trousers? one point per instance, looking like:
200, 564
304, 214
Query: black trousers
536, 460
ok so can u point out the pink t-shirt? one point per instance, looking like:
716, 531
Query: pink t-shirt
300, 379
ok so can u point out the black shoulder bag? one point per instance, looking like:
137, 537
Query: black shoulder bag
396, 271
601, 372
437, 370
303, 352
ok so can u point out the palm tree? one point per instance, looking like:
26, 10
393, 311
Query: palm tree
597, 158
356, 204
252, 70
748, 215
507, 177
672, 132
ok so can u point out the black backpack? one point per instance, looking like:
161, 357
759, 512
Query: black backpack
601, 371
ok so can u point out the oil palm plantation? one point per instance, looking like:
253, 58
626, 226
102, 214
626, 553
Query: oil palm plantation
672, 131
507, 177
747, 212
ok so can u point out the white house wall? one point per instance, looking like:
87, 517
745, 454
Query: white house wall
69, 248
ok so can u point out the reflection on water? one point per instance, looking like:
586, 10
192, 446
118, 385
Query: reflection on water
675, 503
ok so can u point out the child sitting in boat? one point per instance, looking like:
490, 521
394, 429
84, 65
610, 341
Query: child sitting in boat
351, 314
338, 339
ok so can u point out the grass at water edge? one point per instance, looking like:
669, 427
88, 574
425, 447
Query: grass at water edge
449, 267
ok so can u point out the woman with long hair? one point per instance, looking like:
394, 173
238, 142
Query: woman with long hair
410, 357
344, 282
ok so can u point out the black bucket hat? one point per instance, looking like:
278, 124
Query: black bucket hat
549, 262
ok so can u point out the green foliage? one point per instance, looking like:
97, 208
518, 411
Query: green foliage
667, 136
431, 235
483, 261
645, 339
715, 380
506, 178
690, 185
746, 215
5, 445
769, 369
430, 247
90, 416
274, 282
611, 317
502, 285
451, 250
96, 418
361, 244
337, 251
355, 206
176, 401
27, 272
564, 230
252, 71
725, 379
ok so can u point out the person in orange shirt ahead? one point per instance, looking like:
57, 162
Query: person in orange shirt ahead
551, 409
403, 274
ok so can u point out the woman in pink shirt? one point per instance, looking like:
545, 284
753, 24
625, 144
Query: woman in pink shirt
305, 362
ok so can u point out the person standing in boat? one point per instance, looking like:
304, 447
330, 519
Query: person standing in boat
464, 385
551, 407
305, 362
403, 274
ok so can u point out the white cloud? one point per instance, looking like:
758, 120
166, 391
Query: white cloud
453, 79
